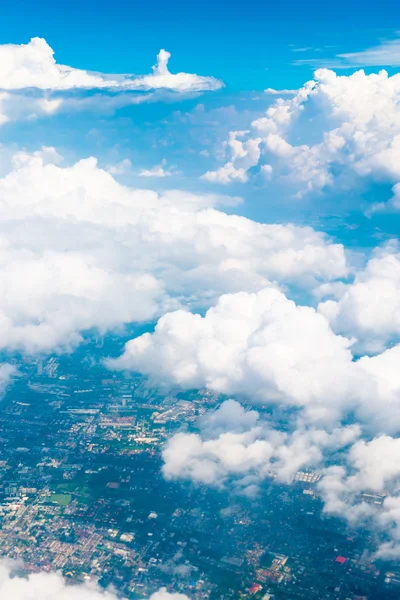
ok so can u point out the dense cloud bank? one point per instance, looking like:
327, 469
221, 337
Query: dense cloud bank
78, 251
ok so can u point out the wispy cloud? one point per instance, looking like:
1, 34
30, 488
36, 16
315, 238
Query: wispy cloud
385, 54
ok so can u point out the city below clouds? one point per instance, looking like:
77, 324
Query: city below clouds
181, 237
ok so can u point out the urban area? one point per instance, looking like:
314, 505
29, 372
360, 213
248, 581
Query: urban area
82, 492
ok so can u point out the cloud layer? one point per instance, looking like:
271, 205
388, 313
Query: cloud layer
79, 251
33, 65
33, 84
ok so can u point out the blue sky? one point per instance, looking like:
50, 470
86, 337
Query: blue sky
264, 45
249, 46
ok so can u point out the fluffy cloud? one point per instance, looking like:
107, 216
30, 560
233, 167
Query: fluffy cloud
248, 450
264, 347
244, 154
89, 236
79, 251
52, 586
369, 307
33, 65
33, 85
355, 133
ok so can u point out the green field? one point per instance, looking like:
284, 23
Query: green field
61, 499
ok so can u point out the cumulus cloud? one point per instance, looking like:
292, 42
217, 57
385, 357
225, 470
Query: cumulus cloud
33, 84
33, 65
244, 155
355, 135
80, 251
261, 345
52, 586
264, 347
369, 307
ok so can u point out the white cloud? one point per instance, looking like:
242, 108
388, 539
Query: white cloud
7, 371
266, 348
121, 168
157, 171
236, 447
162, 594
335, 130
370, 467
385, 54
33, 65
78, 251
369, 307
161, 78
284, 92
230, 416
14, 107
247, 450
226, 174
261, 345
392, 205
33, 84
52, 586
244, 155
